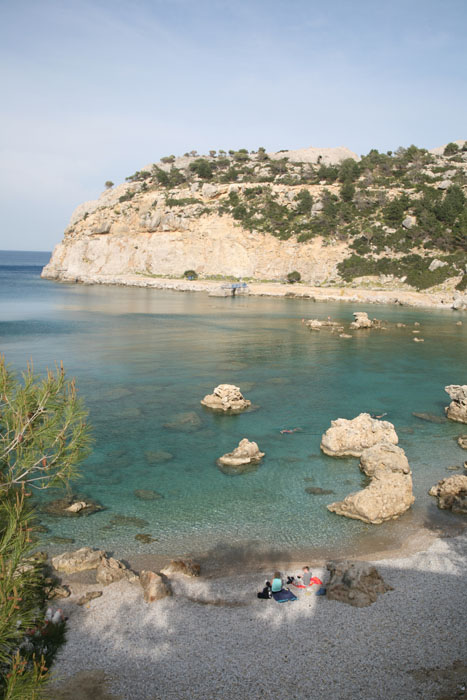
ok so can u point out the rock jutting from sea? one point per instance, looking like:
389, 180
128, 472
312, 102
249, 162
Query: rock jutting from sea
389, 493
244, 457
457, 409
349, 438
226, 398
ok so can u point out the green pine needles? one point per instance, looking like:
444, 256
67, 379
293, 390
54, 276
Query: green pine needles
43, 437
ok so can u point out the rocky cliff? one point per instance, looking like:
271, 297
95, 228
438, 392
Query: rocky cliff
326, 213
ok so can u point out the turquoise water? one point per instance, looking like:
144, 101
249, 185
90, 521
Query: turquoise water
142, 356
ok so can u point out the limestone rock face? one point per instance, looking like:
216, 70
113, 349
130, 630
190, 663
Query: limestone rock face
110, 570
451, 493
351, 437
356, 583
247, 453
179, 566
362, 321
80, 560
154, 587
388, 495
314, 154
226, 398
457, 409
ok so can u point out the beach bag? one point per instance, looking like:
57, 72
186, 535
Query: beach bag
265, 594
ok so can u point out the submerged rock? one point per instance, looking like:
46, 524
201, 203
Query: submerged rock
147, 494
226, 398
388, 495
430, 417
81, 560
185, 567
318, 491
145, 538
457, 409
355, 583
71, 507
451, 493
154, 587
127, 520
246, 454
186, 422
462, 441
350, 437
158, 456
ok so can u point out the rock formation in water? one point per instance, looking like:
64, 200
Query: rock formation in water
348, 438
355, 583
226, 398
451, 493
457, 409
247, 454
263, 215
389, 493
362, 321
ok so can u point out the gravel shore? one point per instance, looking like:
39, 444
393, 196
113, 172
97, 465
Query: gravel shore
214, 639
403, 296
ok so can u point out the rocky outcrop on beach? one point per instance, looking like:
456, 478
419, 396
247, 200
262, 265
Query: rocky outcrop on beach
355, 583
348, 438
457, 409
363, 321
186, 567
81, 560
389, 493
154, 587
111, 570
108, 569
451, 493
226, 398
247, 454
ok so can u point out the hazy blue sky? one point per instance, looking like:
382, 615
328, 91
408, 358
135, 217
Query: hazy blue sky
93, 91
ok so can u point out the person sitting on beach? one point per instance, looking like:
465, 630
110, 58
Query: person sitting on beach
306, 576
276, 584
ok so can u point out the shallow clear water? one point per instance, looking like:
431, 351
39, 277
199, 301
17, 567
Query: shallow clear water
142, 356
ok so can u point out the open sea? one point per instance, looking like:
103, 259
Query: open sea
142, 356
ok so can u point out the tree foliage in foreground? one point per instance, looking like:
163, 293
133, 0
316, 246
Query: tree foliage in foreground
43, 436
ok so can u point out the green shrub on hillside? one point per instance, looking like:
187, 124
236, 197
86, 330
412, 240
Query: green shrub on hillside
451, 149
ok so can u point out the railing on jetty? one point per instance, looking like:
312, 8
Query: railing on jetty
235, 287
230, 289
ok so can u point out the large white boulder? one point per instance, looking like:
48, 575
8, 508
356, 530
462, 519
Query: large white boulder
388, 495
348, 438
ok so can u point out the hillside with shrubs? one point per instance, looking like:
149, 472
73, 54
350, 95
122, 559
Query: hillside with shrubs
401, 215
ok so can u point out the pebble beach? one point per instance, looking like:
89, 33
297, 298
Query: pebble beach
215, 639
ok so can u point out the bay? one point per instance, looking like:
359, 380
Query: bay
142, 356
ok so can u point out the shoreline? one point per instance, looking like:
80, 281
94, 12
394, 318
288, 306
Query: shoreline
213, 638
358, 295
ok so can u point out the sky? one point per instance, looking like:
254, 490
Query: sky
94, 90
